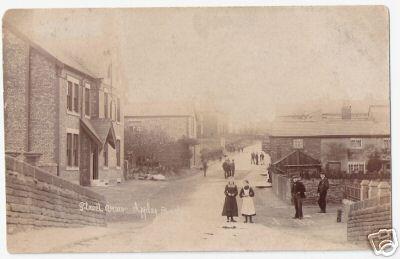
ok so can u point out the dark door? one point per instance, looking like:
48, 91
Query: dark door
84, 165
95, 162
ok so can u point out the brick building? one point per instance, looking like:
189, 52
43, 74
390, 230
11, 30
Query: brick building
342, 144
171, 124
59, 115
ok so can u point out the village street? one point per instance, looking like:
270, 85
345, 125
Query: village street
192, 221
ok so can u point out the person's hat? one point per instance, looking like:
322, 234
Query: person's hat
296, 177
322, 173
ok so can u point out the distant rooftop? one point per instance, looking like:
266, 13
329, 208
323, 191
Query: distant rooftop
154, 109
330, 128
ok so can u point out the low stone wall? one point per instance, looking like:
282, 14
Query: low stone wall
35, 198
367, 217
282, 188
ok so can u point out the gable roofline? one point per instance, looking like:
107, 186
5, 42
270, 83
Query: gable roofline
46, 53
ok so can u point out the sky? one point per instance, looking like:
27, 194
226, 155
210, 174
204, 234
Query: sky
252, 62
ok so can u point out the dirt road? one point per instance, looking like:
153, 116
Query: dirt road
191, 221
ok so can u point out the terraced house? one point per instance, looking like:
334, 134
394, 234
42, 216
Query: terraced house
333, 142
59, 115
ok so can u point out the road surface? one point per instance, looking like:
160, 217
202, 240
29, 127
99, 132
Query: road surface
191, 220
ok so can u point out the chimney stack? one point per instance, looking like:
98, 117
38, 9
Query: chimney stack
346, 112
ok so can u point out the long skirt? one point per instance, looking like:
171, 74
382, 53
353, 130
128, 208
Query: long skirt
230, 207
248, 206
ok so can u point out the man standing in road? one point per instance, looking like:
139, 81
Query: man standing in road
298, 190
256, 156
225, 167
205, 167
323, 187
232, 167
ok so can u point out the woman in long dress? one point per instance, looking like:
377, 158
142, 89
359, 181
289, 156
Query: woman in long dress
247, 194
230, 206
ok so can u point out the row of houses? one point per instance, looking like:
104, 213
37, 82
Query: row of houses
336, 142
177, 128
58, 115
70, 121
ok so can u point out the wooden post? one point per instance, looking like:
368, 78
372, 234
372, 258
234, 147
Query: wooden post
383, 189
364, 190
373, 189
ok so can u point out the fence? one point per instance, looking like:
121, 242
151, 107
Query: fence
352, 192
370, 215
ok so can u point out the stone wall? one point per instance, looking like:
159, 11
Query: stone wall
281, 186
367, 217
35, 198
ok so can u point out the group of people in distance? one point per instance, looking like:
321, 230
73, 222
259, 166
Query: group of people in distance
229, 168
230, 209
257, 158
298, 194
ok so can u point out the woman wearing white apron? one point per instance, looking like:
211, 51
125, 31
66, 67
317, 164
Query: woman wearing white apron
247, 194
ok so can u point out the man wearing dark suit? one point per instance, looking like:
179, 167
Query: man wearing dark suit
232, 167
323, 187
298, 190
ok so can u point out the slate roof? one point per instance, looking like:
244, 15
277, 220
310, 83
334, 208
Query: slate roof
100, 129
297, 158
330, 128
88, 127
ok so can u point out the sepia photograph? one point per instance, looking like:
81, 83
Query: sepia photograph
201, 129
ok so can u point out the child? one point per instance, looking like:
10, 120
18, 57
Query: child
247, 194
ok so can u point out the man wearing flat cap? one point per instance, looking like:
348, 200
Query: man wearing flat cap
323, 187
298, 190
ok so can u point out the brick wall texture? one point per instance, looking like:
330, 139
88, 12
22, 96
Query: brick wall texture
35, 198
43, 107
15, 72
282, 188
367, 217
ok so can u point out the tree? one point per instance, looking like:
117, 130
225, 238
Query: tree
336, 151
374, 163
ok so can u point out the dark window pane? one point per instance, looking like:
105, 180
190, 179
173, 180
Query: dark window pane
76, 98
69, 96
105, 105
76, 145
87, 101
105, 154
69, 149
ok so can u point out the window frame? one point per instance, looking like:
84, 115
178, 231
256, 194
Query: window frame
298, 143
386, 143
74, 101
352, 164
354, 141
